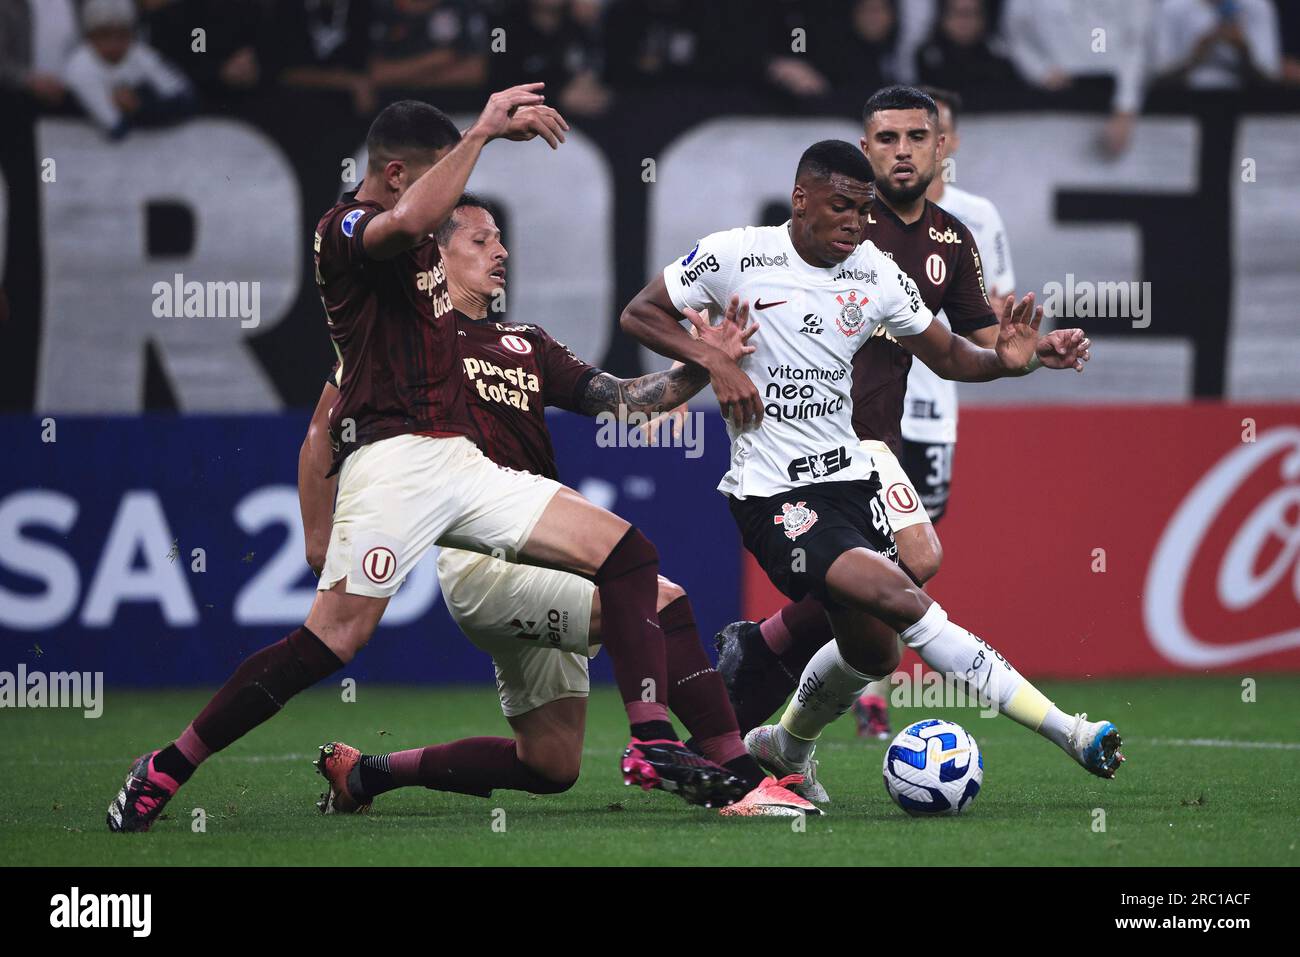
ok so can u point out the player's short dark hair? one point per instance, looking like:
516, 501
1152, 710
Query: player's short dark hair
467, 201
826, 157
406, 128
949, 98
899, 97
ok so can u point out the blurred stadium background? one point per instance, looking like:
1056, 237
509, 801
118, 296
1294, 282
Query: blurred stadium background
1163, 487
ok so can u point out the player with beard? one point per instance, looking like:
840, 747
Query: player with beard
929, 425
763, 662
539, 625
410, 477
804, 493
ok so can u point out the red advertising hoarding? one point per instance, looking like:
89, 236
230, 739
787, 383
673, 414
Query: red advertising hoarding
1122, 540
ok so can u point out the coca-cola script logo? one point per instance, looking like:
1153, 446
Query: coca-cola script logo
1259, 556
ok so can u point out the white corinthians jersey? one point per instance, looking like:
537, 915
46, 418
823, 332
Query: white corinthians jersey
930, 409
812, 322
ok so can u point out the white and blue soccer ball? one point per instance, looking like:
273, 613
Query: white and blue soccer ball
933, 767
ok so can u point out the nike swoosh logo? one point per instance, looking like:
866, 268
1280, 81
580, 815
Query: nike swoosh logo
760, 304
943, 756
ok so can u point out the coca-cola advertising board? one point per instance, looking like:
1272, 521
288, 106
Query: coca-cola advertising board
1122, 540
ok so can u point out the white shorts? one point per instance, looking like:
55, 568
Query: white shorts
902, 504
398, 497
534, 622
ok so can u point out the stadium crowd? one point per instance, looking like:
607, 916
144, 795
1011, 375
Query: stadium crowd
127, 63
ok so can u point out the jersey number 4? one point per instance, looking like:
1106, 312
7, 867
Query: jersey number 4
878, 517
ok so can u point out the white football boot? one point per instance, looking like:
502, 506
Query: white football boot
1095, 745
761, 743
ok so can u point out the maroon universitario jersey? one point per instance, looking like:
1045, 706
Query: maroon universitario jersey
938, 252
394, 332
511, 373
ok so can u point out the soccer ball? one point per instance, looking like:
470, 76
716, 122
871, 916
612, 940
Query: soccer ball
933, 767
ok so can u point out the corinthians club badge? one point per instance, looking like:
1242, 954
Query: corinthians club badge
851, 317
796, 518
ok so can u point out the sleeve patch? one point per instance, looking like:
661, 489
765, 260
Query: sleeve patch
349, 222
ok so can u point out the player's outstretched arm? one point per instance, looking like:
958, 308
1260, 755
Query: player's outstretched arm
315, 486
661, 391
516, 114
653, 320
1017, 351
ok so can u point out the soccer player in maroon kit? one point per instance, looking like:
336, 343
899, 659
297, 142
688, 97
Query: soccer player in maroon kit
762, 663
538, 624
411, 477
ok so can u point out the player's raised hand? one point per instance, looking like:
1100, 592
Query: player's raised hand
496, 118
529, 122
736, 393
1018, 332
1064, 349
731, 336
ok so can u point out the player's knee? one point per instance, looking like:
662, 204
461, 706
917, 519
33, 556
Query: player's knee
633, 552
344, 640
889, 661
931, 560
919, 549
669, 592
556, 785
556, 772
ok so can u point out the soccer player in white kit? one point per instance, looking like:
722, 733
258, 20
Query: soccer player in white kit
804, 494
929, 423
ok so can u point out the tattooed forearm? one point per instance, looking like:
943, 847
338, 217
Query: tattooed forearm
648, 394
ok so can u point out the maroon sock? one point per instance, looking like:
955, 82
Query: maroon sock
259, 688
698, 696
628, 582
696, 692
809, 629
468, 766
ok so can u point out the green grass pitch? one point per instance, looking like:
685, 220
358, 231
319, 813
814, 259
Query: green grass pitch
1179, 800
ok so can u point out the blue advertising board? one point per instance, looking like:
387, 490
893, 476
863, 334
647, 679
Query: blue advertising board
161, 549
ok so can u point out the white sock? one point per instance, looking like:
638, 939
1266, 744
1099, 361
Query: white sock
1056, 728
794, 750
952, 650
828, 687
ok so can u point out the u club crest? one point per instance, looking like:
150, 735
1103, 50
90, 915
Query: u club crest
851, 317
796, 519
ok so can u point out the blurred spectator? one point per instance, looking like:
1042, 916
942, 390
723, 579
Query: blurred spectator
227, 60
960, 53
916, 22
546, 41
322, 45
865, 57
119, 80
852, 49
654, 42
422, 44
789, 67
1218, 44
1057, 43
36, 37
